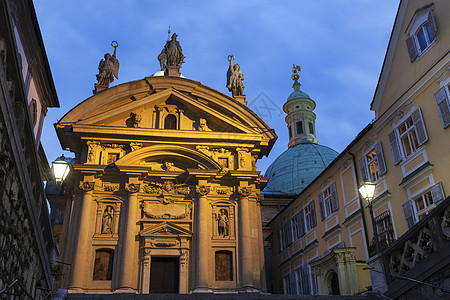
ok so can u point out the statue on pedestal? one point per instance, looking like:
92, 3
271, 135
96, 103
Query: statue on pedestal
174, 52
235, 78
108, 68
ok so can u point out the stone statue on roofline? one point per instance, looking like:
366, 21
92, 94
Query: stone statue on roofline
171, 57
234, 79
108, 68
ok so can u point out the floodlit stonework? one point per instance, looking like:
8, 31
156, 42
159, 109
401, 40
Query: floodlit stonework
168, 198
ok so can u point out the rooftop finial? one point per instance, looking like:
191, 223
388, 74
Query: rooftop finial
168, 34
295, 77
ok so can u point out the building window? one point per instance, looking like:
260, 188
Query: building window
328, 201
421, 205
290, 132
443, 104
311, 127
290, 284
103, 264
306, 282
422, 32
298, 224
384, 228
310, 216
224, 265
299, 125
170, 122
285, 235
372, 164
408, 136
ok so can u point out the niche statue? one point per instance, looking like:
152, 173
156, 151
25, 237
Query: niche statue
235, 78
223, 226
107, 220
108, 68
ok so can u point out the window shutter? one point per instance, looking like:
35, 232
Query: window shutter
411, 48
321, 207
293, 288
395, 146
432, 24
313, 214
301, 222
280, 239
363, 168
380, 158
289, 232
437, 193
442, 102
334, 198
408, 211
305, 280
419, 126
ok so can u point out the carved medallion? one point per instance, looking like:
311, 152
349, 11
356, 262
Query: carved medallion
132, 187
86, 186
202, 190
244, 191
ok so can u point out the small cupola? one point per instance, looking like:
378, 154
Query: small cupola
300, 119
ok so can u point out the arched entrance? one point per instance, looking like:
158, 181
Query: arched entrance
334, 284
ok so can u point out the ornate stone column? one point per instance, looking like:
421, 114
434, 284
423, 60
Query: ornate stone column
202, 251
128, 262
245, 241
81, 247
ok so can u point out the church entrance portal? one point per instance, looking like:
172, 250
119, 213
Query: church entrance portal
164, 275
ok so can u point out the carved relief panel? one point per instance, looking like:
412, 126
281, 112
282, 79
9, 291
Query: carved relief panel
223, 220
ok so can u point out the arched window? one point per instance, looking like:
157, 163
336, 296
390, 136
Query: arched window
170, 122
103, 264
424, 36
224, 265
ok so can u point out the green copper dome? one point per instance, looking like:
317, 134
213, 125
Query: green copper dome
298, 94
296, 167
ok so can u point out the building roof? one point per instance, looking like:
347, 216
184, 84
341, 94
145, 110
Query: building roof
296, 167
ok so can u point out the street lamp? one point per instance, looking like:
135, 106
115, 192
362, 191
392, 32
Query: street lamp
367, 190
61, 169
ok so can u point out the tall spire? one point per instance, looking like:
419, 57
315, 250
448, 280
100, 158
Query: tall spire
301, 118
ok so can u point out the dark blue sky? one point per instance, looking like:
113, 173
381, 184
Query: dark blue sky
340, 46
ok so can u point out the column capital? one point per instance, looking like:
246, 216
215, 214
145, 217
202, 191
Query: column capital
202, 190
132, 187
86, 186
244, 191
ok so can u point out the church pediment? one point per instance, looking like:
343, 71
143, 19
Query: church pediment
166, 110
150, 112
165, 229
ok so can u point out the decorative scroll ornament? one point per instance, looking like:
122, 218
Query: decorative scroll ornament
202, 190
164, 244
244, 191
132, 187
86, 186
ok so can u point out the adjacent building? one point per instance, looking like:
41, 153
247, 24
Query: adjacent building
27, 249
327, 230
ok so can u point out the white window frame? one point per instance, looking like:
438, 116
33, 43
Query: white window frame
410, 210
416, 127
328, 201
377, 160
418, 23
310, 216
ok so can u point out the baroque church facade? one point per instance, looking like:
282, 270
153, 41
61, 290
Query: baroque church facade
168, 198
